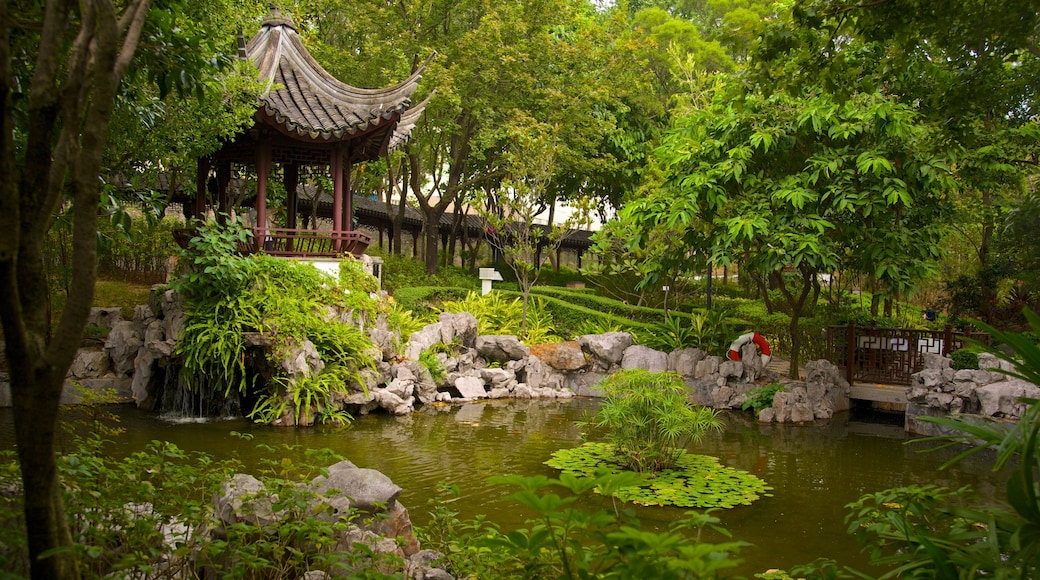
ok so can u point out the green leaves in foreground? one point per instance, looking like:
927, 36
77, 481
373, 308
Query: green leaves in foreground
696, 481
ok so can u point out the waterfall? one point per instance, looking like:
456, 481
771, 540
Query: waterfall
179, 401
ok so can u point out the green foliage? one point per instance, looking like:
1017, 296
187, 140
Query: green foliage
428, 358
761, 398
708, 331
563, 541
649, 420
120, 508
352, 275
228, 296
928, 531
497, 313
306, 400
965, 358
694, 481
425, 301
212, 268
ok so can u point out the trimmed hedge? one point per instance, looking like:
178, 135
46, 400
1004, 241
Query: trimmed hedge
588, 299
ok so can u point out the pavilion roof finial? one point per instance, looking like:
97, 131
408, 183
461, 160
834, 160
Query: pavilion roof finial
275, 17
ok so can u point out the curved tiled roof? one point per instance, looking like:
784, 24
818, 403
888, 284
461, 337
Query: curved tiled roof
303, 100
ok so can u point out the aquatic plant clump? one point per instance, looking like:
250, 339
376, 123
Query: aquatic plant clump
696, 481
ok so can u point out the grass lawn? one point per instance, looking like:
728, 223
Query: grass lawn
109, 293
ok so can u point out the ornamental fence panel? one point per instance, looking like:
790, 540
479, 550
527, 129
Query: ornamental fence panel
871, 354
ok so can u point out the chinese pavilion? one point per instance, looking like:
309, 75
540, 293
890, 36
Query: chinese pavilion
305, 116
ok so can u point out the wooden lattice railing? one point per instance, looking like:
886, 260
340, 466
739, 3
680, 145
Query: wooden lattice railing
295, 243
890, 356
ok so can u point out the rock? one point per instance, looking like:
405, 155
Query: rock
385, 341
501, 348
422, 340
245, 499
1002, 399
540, 375
403, 388
391, 402
393, 522
173, 314
684, 361
497, 377
707, 367
731, 369
420, 566
642, 357
89, 364
362, 489
470, 388
561, 356
586, 384
105, 317
122, 345
302, 360
460, 328
142, 386
928, 378
606, 349
721, 397
936, 361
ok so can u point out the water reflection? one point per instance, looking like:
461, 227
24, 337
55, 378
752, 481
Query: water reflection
815, 470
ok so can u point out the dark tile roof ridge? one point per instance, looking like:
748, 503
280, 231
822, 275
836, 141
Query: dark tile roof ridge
274, 43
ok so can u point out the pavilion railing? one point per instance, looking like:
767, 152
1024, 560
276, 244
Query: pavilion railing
310, 243
871, 354
294, 242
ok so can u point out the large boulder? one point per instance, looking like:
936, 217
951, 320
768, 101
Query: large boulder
470, 387
421, 340
460, 328
501, 348
684, 360
348, 487
562, 356
606, 350
104, 317
541, 375
89, 364
1002, 399
643, 357
122, 345
245, 499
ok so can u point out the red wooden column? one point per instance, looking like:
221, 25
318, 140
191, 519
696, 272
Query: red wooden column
201, 177
348, 204
263, 169
223, 182
292, 180
336, 169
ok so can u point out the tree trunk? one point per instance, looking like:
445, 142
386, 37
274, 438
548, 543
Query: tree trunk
78, 68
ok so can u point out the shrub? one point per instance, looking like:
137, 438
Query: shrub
228, 296
648, 418
565, 541
761, 398
965, 358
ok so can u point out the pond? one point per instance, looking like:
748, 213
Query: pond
815, 470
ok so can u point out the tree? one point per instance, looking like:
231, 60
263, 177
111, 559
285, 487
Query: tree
61, 64
789, 187
969, 68
510, 211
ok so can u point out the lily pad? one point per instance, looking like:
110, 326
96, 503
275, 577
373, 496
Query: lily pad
697, 481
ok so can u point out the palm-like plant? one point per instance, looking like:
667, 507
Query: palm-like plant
649, 419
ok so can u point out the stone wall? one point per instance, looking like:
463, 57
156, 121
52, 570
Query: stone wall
939, 390
138, 352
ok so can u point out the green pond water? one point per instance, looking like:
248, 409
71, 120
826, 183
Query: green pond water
815, 470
